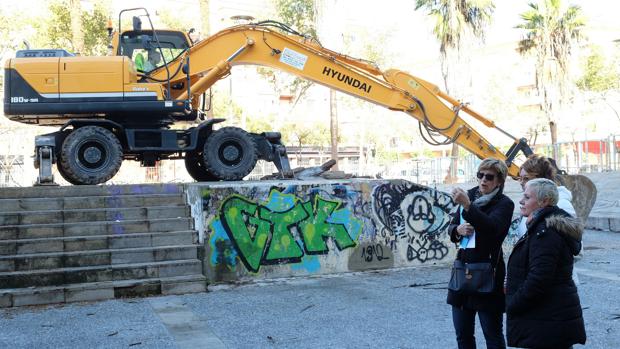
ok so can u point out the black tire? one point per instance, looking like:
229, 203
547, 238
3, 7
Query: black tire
64, 175
194, 163
230, 153
90, 155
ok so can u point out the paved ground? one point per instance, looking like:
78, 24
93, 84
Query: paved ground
391, 309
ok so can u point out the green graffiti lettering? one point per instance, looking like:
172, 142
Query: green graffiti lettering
262, 236
250, 241
283, 246
316, 229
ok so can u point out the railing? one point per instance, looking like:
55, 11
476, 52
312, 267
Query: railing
599, 155
575, 157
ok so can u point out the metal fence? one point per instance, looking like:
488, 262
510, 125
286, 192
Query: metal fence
599, 155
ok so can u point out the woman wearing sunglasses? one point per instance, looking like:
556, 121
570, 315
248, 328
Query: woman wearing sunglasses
478, 229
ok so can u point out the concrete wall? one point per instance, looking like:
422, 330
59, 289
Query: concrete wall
272, 229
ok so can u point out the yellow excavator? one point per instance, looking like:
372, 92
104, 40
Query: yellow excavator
121, 106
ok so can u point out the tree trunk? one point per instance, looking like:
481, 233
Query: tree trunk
205, 26
452, 177
77, 32
553, 129
454, 152
333, 126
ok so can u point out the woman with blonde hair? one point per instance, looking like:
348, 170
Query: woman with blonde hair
479, 228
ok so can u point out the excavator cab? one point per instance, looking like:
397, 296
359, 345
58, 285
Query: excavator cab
149, 46
149, 49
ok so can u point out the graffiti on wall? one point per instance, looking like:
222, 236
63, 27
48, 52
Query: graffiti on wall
371, 255
283, 229
325, 227
418, 215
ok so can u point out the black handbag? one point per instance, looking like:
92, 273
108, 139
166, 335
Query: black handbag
473, 278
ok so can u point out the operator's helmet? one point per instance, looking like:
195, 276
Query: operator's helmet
154, 57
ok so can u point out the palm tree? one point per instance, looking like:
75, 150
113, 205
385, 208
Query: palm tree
455, 22
552, 29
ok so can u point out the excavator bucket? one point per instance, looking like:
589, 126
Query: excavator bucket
584, 193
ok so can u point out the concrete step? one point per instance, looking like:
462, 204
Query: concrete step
89, 190
97, 242
604, 222
86, 202
94, 291
35, 231
64, 276
92, 215
56, 260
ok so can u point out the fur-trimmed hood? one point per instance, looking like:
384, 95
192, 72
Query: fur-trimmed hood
569, 227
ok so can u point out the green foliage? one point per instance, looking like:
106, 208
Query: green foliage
365, 46
284, 83
298, 14
552, 30
386, 156
5, 28
294, 133
224, 107
454, 17
551, 27
456, 20
599, 75
95, 30
258, 124
171, 20
58, 28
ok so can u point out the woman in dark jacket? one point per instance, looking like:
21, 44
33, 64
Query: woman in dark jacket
478, 229
542, 304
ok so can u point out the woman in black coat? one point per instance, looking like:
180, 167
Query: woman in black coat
542, 304
479, 228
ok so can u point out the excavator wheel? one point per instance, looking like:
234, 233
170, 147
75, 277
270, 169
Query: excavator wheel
230, 153
64, 175
90, 155
194, 163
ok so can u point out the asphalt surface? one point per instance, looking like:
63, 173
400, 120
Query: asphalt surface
389, 309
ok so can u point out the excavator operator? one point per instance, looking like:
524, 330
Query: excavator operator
153, 61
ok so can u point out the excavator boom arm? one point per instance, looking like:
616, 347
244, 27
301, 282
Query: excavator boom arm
210, 60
